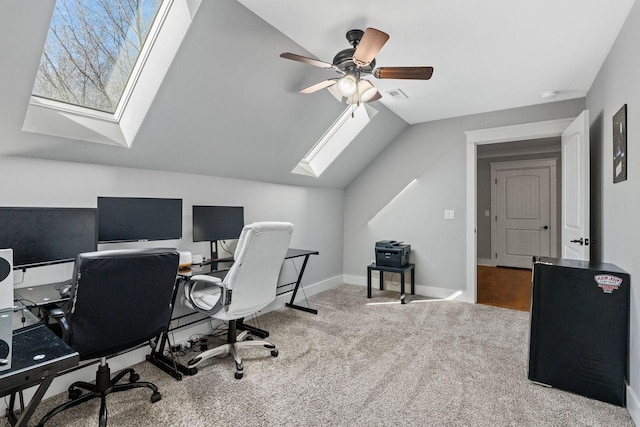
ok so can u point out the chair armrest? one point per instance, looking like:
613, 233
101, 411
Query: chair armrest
56, 313
202, 287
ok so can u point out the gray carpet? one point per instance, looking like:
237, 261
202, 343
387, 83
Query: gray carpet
435, 363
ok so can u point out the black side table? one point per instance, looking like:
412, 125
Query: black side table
401, 270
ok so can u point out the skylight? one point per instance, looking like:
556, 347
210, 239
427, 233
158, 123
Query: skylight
102, 65
91, 49
335, 140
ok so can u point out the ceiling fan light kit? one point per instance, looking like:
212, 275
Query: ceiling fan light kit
366, 90
355, 62
347, 85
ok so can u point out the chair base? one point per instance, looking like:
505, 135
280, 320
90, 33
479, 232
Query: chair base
232, 347
103, 386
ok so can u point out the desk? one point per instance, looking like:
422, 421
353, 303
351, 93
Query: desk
37, 356
295, 253
291, 254
400, 270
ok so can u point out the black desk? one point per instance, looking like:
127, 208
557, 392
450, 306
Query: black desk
400, 270
37, 356
295, 253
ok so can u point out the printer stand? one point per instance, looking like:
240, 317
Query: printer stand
400, 270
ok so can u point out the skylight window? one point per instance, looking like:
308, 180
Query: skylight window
335, 140
91, 50
103, 63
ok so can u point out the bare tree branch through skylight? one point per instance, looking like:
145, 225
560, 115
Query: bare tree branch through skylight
91, 50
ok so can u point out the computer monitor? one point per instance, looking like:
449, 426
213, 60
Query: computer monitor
136, 219
42, 236
212, 223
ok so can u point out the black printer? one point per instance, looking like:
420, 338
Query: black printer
391, 253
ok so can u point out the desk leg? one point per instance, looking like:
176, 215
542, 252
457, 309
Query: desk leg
381, 279
402, 288
170, 365
295, 290
26, 414
368, 282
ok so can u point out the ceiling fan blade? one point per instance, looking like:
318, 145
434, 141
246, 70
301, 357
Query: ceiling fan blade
416, 73
316, 87
369, 46
304, 59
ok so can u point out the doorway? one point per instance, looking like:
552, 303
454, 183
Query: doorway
476, 138
517, 187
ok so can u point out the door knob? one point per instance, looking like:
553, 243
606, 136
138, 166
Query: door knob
578, 241
546, 227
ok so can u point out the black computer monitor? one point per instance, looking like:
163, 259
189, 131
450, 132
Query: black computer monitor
135, 219
212, 223
42, 236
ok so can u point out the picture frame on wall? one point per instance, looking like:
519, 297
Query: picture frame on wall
620, 145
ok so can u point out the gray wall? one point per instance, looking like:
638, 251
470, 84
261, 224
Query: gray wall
434, 154
316, 213
616, 207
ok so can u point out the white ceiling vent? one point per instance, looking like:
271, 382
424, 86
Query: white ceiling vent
396, 94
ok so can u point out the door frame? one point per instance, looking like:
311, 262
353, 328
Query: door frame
521, 132
522, 165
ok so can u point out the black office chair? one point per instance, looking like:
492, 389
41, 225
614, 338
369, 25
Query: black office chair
119, 299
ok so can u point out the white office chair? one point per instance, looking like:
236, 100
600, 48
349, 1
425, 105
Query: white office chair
249, 286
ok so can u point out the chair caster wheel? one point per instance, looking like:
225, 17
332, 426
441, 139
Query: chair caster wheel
155, 397
238, 375
274, 352
74, 394
133, 378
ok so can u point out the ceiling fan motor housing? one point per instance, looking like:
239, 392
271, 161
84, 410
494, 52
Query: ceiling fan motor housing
344, 61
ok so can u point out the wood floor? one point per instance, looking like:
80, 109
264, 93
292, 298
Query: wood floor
504, 287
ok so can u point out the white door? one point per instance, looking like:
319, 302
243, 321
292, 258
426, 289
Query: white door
575, 189
524, 211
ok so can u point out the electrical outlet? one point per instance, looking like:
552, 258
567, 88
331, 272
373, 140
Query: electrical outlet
449, 214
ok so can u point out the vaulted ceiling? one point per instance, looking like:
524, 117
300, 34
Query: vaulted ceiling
229, 105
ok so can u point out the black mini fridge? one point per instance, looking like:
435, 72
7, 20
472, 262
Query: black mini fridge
579, 328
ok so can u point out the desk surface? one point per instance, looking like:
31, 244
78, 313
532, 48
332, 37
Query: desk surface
36, 353
206, 268
294, 253
39, 294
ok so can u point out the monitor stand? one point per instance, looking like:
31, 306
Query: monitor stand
213, 246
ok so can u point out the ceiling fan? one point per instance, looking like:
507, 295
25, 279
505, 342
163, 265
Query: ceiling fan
358, 61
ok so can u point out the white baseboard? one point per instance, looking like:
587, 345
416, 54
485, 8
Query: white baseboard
487, 262
633, 406
61, 384
427, 291
307, 290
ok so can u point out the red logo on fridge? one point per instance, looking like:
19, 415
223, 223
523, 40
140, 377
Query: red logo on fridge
608, 282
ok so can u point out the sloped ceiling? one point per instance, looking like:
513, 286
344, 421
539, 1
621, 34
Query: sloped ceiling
229, 105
